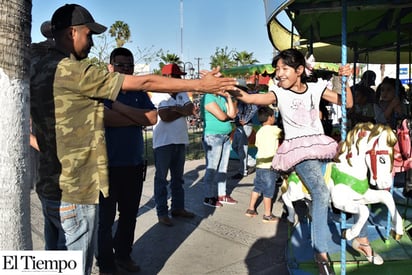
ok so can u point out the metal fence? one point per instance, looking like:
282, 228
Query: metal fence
194, 150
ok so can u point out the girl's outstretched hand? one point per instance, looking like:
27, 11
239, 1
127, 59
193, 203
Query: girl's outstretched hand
345, 70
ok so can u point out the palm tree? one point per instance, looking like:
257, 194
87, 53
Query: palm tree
223, 58
121, 32
168, 58
15, 25
244, 58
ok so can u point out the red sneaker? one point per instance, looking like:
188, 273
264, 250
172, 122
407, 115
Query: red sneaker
227, 200
212, 202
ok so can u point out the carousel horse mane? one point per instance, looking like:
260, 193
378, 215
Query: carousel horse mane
352, 143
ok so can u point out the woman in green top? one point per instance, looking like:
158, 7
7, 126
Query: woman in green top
217, 112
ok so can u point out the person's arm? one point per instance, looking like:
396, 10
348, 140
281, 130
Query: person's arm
336, 98
215, 110
209, 83
33, 142
121, 115
116, 119
33, 138
231, 107
174, 112
258, 99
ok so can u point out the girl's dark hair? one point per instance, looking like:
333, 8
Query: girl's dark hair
264, 112
292, 58
120, 51
391, 81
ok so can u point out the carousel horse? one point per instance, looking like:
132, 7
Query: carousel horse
368, 149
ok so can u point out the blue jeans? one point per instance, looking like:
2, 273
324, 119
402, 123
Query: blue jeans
217, 151
310, 171
364, 231
125, 191
264, 182
69, 226
169, 157
240, 145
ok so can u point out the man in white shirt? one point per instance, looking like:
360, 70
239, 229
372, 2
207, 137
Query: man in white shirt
170, 138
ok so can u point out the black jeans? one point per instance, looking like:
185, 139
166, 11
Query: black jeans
125, 191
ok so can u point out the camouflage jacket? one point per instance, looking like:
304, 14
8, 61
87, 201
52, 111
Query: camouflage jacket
67, 113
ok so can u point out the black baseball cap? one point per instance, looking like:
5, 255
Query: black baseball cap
74, 15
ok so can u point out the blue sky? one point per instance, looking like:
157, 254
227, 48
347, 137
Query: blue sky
207, 24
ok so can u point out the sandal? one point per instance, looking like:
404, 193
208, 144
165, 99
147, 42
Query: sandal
270, 218
375, 258
251, 213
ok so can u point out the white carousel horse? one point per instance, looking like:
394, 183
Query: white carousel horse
368, 147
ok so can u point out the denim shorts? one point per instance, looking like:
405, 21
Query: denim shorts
264, 182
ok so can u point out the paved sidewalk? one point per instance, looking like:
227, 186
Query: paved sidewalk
216, 241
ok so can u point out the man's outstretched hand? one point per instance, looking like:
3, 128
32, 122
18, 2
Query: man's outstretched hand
213, 82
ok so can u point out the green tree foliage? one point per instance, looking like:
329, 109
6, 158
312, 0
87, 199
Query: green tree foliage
244, 58
121, 32
168, 58
227, 59
223, 58
103, 45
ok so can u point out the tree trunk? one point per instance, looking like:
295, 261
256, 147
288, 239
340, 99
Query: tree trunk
15, 27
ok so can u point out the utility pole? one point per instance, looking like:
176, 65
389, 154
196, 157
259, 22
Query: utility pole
198, 65
181, 29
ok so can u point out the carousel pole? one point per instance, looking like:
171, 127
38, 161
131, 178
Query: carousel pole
343, 130
394, 118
